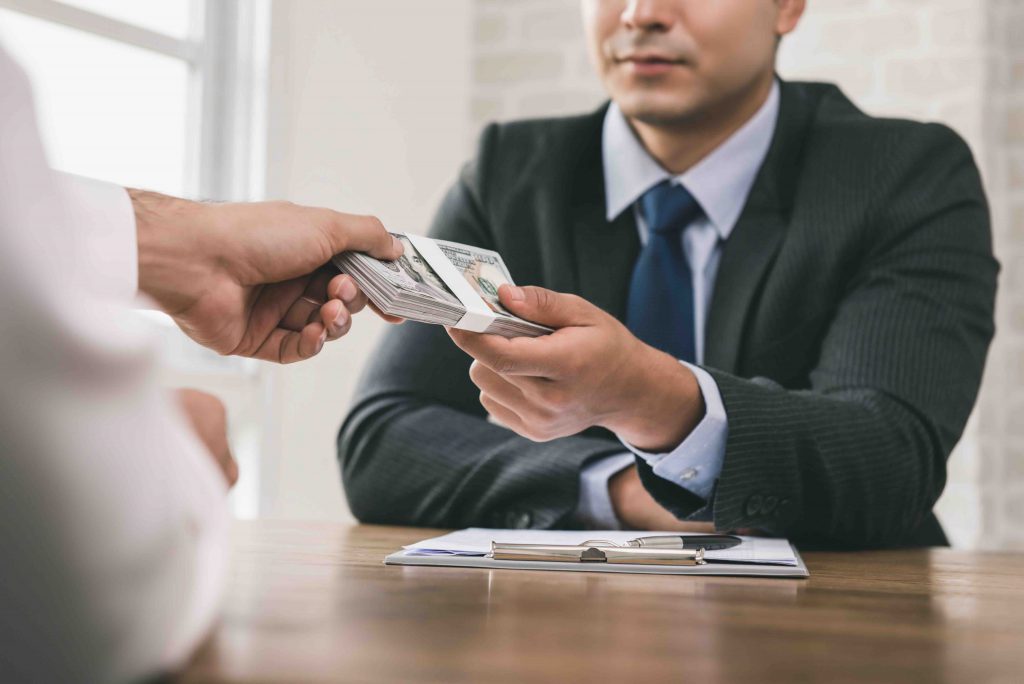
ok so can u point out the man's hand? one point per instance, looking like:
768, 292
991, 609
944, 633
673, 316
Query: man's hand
637, 509
253, 279
209, 421
590, 371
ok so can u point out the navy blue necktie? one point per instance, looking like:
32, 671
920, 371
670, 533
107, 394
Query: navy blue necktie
660, 310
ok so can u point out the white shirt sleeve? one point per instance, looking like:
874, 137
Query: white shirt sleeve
595, 510
103, 214
113, 520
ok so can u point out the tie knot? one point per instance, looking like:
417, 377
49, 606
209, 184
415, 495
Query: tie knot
669, 208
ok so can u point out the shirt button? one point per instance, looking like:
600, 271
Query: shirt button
689, 474
753, 505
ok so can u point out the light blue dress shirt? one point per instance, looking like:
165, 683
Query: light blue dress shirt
721, 183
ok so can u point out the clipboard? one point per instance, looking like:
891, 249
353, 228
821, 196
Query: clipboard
559, 551
595, 552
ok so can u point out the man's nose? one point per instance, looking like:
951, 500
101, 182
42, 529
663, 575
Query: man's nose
650, 15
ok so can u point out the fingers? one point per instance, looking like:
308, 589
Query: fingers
502, 414
228, 466
288, 346
306, 308
301, 313
547, 307
533, 356
495, 386
272, 309
351, 233
343, 287
336, 319
208, 418
335, 314
543, 356
310, 342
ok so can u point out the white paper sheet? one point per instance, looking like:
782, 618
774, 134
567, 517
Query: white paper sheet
476, 541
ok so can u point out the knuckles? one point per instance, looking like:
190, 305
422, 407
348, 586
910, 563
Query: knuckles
552, 397
536, 423
545, 299
477, 372
502, 364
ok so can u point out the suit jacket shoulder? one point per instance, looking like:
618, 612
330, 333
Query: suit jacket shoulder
519, 159
884, 155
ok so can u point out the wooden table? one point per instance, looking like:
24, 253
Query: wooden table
313, 602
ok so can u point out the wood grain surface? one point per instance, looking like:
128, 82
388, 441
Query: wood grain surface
313, 602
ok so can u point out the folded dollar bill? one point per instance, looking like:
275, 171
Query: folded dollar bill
423, 285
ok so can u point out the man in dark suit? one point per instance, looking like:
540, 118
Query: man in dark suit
779, 313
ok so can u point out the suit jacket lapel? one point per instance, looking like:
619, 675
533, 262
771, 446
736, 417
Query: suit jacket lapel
755, 241
605, 252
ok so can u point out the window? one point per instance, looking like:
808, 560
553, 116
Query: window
166, 95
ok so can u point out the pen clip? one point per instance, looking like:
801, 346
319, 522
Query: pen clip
602, 542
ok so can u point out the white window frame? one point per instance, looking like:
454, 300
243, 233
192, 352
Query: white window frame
227, 53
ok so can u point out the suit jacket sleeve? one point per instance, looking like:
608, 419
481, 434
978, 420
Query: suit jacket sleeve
859, 457
417, 447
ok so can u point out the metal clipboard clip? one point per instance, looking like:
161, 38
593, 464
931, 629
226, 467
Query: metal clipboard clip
596, 551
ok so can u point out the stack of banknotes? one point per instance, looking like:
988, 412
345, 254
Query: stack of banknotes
409, 288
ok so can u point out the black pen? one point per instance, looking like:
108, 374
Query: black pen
708, 542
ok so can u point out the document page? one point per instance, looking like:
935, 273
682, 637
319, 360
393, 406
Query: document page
476, 541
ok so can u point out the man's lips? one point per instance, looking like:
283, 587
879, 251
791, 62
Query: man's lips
650, 64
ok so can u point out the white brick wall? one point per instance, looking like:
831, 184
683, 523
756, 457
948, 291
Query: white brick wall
922, 59
956, 61
530, 60
1001, 432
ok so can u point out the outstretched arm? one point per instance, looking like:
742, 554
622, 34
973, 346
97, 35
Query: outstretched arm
253, 279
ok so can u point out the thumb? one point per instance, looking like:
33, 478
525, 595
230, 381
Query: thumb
553, 309
351, 233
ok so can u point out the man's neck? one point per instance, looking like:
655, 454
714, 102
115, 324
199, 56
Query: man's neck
680, 146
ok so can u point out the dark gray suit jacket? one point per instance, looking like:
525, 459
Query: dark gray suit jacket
848, 330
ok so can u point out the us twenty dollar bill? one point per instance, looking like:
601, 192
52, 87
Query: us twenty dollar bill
410, 288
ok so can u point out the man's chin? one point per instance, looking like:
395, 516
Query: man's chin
659, 111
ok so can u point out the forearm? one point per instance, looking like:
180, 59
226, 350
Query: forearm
851, 466
173, 256
406, 461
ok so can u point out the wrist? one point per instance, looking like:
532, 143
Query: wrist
172, 258
664, 406
636, 509
624, 491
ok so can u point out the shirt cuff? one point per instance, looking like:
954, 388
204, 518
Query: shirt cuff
696, 463
595, 511
105, 223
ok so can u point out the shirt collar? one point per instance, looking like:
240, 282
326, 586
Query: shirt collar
720, 182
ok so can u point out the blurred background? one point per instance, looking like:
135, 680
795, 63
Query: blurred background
371, 107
